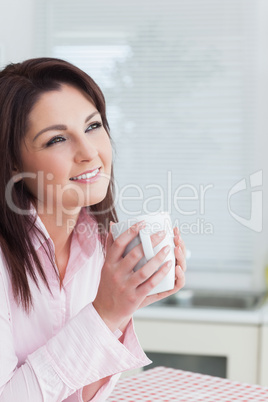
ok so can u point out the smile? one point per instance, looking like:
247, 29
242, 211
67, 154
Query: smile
86, 176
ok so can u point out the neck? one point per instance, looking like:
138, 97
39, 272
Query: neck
61, 235
60, 229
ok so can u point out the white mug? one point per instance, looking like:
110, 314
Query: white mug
154, 223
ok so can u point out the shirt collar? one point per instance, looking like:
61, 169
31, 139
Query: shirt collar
38, 239
85, 232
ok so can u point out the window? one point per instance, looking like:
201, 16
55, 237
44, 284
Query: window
180, 80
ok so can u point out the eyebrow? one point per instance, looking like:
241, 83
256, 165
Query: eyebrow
61, 127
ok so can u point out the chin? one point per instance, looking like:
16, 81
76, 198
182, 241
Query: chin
94, 200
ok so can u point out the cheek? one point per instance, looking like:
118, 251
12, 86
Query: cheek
38, 175
55, 165
35, 162
56, 168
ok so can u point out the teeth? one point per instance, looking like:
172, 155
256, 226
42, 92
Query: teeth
86, 175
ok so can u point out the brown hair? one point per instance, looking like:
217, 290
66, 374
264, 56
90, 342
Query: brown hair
21, 85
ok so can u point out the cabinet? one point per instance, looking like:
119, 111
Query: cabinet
264, 355
239, 343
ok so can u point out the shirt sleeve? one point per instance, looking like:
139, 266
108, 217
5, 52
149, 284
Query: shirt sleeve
129, 341
84, 351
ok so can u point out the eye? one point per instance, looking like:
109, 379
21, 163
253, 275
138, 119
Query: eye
55, 140
93, 126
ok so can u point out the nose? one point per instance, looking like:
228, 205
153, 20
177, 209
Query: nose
85, 150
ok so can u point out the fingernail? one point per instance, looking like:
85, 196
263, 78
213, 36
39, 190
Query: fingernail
136, 227
169, 263
167, 266
140, 225
167, 249
161, 233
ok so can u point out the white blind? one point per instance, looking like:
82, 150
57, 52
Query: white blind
179, 78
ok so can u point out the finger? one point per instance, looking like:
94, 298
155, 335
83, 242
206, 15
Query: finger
154, 279
176, 231
180, 258
183, 247
177, 236
178, 284
144, 273
156, 238
178, 241
121, 242
137, 253
179, 278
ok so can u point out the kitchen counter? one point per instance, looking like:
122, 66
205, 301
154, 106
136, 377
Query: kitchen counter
195, 331
256, 316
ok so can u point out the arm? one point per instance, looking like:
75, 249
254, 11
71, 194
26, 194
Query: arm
180, 253
125, 333
48, 374
89, 391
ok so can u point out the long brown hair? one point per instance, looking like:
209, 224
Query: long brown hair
21, 85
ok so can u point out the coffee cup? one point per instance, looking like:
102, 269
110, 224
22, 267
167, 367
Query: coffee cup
153, 224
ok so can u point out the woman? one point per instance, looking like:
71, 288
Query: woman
67, 295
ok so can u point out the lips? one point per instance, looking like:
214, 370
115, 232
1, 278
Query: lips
86, 175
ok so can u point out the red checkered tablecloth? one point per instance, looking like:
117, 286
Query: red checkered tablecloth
166, 384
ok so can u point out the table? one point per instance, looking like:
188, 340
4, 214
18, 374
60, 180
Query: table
164, 384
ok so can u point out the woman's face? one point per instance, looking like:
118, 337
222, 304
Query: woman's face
66, 153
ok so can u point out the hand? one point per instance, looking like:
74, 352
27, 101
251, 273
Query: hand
180, 254
121, 290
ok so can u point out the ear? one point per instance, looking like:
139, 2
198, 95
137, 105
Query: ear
16, 175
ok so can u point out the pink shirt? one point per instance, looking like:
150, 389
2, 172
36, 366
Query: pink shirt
63, 344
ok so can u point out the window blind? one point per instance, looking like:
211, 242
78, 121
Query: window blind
179, 79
